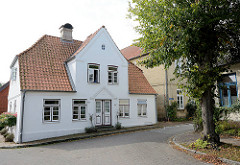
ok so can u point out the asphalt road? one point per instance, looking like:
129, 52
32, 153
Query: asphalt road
139, 148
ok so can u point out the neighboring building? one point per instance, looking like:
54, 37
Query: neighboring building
157, 78
58, 84
4, 97
228, 89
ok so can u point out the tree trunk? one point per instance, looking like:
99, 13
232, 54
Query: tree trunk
207, 104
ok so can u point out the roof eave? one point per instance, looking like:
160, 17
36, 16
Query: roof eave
14, 61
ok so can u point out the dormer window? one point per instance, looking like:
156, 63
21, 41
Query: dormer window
112, 74
14, 74
93, 73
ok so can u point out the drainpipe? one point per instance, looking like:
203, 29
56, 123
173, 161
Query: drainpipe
167, 98
22, 114
156, 111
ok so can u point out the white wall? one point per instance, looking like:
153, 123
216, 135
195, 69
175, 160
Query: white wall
15, 95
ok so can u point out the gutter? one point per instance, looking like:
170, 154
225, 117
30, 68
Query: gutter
21, 117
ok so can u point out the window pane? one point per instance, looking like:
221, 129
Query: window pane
225, 95
98, 107
229, 78
107, 106
144, 107
55, 117
78, 102
109, 77
112, 68
233, 94
55, 112
96, 76
47, 118
75, 116
139, 110
142, 101
93, 66
46, 113
55, 108
75, 112
124, 102
83, 116
83, 110
115, 77
51, 101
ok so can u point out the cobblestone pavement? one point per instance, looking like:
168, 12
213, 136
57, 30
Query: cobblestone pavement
148, 147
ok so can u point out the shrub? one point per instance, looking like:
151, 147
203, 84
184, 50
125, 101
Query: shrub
8, 119
199, 144
3, 131
118, 125
90, 129
191, 108
9, 138
172, 111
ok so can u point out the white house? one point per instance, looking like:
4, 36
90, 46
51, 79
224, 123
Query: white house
58, 83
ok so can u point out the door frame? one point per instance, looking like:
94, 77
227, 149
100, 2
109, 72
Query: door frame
102, 112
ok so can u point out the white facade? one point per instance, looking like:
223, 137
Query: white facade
107, 95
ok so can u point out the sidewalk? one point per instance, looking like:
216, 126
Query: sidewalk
9, 145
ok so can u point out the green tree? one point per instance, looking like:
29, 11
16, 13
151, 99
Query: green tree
203, 34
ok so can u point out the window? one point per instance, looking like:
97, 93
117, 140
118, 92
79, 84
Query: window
51, 110
112, 74
14, 106
178, 65
14, 74
124, 108
103, 47
142, 108
180, 99
10, 107
228, 90
79, 110
93, 73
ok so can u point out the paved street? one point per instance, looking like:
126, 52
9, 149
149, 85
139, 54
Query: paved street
141, 148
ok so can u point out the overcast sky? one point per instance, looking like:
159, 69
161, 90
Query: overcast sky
23, 22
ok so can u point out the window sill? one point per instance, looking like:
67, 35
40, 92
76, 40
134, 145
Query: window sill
76, 120
142, 117
50, 122
124, 117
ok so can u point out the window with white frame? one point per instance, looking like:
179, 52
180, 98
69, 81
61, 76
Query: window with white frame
112, 74
14, 106
10, 106
180, 99
79, 110
14, 74
124, 108
51, 110
142, 108
93, 73
178, 65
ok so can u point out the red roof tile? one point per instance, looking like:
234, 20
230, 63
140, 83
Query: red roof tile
42, 65
138, 83
131, 52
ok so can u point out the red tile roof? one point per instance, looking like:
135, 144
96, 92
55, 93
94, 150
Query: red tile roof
42, 65
138, 83
131, 52
4, 97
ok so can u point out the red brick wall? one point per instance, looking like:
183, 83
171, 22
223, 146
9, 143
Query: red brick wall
4, 100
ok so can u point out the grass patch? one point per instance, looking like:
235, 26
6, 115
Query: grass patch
224, 151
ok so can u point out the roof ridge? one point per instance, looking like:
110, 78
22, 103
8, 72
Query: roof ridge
31, 47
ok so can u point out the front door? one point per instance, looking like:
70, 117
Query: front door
103, 112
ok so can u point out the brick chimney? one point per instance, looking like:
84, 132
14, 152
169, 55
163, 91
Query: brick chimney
66, 32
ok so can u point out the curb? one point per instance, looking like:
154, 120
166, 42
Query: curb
100, 134
173, 140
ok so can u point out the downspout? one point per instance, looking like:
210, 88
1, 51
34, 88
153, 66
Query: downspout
22, 114
156, 108
167, 97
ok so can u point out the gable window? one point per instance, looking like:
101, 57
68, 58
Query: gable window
14, 74
124, 108
93, 73
51, 109
228, 90
142, 108
180, 99
178, 65
112, 74
79, 110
